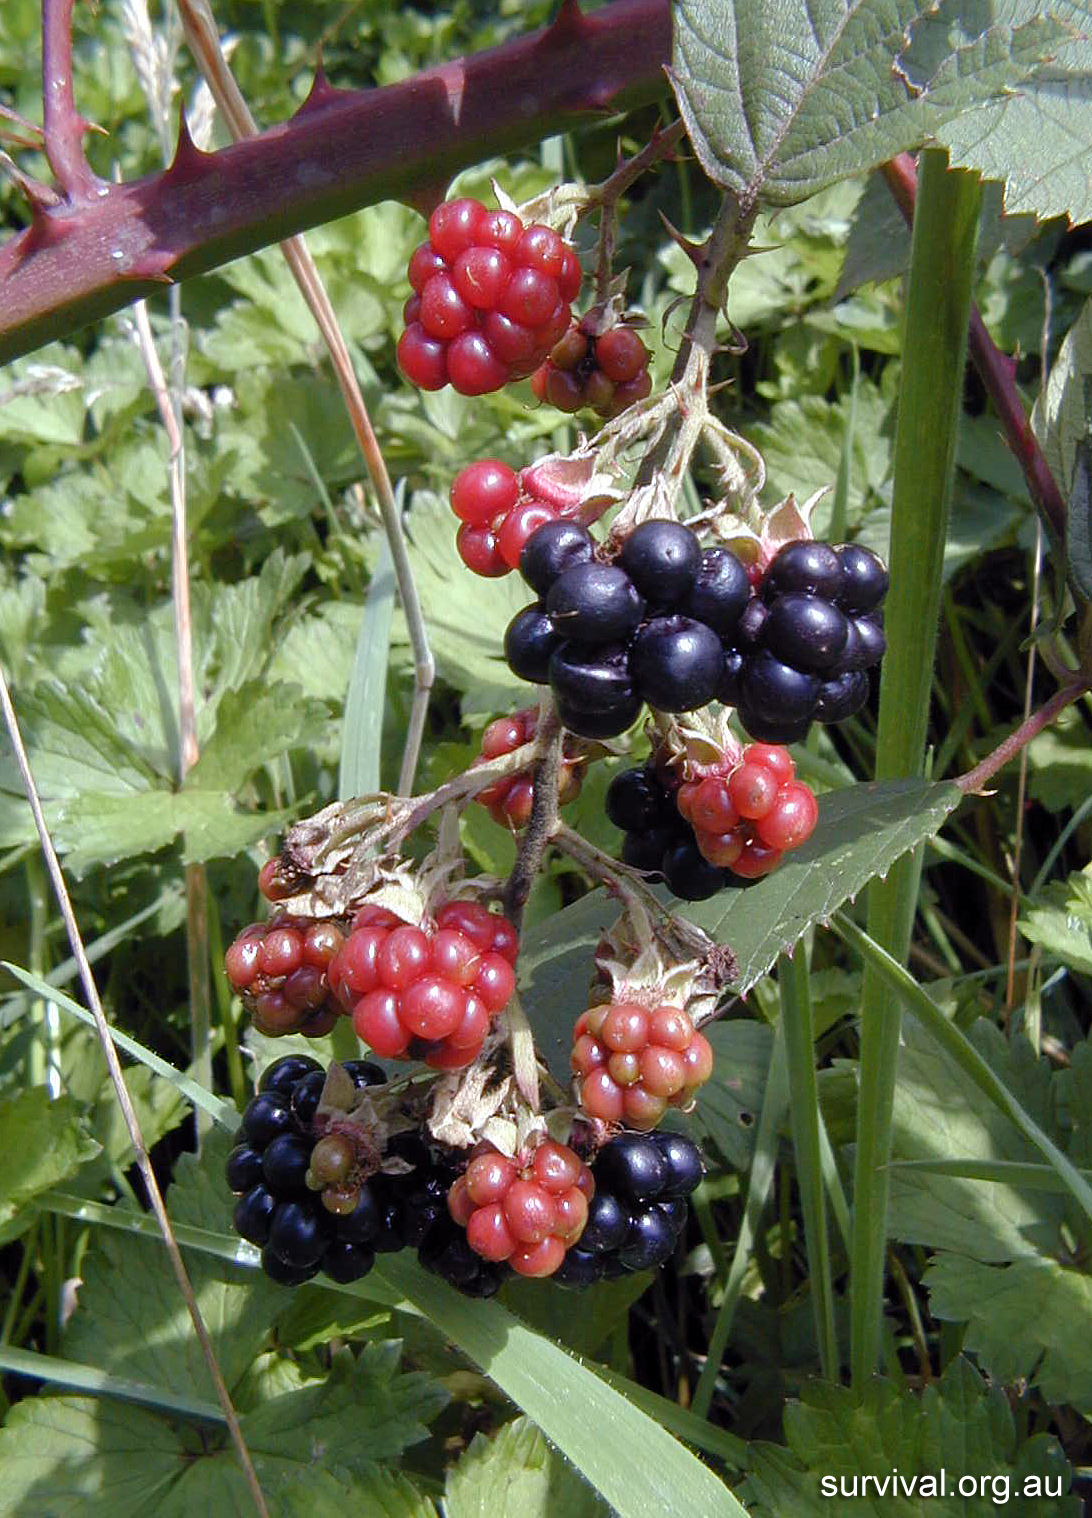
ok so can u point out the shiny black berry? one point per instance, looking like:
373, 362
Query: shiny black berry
632, 1167
752, 619
636, 802
267, 1115
689, 875
243, 1168
344, 1262
842, 697
529, 640
284, 1273
766, 731
591, 675
651, 1240
299, 1234
362, 1225
684, 1162
677, 663
645, 851
776, 692
608, 1219
674, 1212
595, 603
807, 566
661, 558
728, 690
283, 1074
719, 593
364, 1072
306, 1097
607, 722
285, 1163
551, 549
252, 1216
805, 631
578, 1270
864, 579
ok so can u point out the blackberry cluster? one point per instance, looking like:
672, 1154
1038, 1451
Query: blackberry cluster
490, 299
804, 645
499, 510
648, 627
527, 1215
607, 372
509, 801
279, 968
300, 1200
639, 1210
658, 839
305, 1203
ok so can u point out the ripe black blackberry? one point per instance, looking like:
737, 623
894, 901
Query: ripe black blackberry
802, 648
298, 1200
657, 838
608, 637
639, 1210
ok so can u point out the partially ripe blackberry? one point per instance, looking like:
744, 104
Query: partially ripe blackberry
677, 663
551, 549
805, 631
719, 592
662, 559
808, 566
529, 641
864, 579
594, 603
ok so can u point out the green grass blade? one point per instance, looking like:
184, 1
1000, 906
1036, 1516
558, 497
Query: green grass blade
934, 354
97, 1383
921, 1005
362, 732
224, 1113
775, 1101
796, 1019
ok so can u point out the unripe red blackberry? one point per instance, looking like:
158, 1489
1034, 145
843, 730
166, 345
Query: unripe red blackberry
605, 372
633, 1062
279, 969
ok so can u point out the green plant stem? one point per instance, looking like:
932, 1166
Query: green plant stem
934, 351
796, 1019
228, 1023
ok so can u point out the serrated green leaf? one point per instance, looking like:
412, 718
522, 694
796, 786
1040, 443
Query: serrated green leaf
43, 1142
782, 100
939, 1115
1028, 1319
1034, 140
914, 1448
1061, 922
77, 1457
95, 829
515, 1474
317, 1492
255, 723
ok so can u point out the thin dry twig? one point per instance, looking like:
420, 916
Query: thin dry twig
204, 41
136, 1138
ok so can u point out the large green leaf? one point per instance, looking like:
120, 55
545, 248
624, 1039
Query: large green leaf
781, 99
939, 1115
1060, 416
515, 1474
861, 831
43, 1142
1026, 1320
907, 1444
